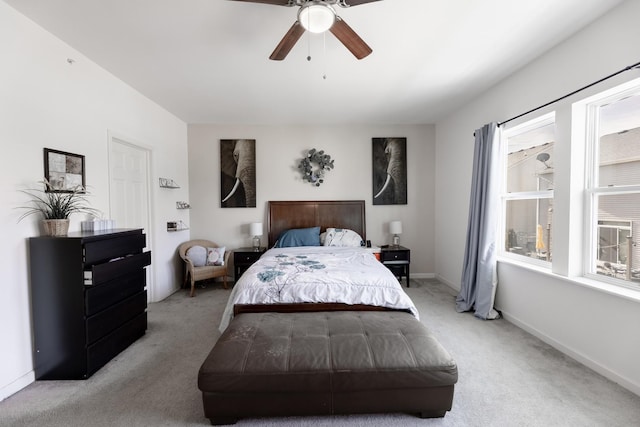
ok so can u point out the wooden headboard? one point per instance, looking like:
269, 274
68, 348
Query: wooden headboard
284, 215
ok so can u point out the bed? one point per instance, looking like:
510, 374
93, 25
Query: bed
314, 330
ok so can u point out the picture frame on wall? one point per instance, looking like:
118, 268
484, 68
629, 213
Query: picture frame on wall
389, 171
64, 171
238, 173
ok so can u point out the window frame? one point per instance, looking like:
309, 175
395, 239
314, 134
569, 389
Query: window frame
505, 197
593, 190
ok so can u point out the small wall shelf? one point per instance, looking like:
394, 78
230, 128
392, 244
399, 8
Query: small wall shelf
167, 183
176, 226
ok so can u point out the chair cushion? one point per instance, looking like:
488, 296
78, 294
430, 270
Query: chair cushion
197, 255
215, 256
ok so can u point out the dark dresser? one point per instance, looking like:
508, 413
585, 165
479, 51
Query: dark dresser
88, 299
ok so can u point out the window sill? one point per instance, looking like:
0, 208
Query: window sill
608, 288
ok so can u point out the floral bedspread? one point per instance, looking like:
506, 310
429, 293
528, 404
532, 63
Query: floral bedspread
318, 274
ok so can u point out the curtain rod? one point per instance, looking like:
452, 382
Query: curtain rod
630, 67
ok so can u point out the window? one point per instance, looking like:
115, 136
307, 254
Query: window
613, 187
589, 212
527, 196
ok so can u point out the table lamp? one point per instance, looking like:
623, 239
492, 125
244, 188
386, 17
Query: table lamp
395, 228
255, 229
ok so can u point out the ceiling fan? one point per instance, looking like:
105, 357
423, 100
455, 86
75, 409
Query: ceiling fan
318, 16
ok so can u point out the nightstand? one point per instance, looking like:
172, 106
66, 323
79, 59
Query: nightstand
396, 259
243, 258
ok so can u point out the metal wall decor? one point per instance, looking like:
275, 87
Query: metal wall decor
314, 165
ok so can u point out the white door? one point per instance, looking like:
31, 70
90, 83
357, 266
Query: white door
129, 190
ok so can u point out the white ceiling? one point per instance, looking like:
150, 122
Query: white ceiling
206, 61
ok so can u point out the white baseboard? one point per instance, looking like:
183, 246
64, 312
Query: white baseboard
17, 385
455, 287
588, 362
423, 275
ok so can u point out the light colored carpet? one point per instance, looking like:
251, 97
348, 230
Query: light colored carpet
506, 377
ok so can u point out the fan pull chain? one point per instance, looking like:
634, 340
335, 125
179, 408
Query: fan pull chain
308, 42
324, 59
324, 55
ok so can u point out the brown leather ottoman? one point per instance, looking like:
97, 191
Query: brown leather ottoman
315, 363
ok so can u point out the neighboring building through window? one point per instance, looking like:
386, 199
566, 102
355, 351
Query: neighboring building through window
614, 186
613, 242
528, 190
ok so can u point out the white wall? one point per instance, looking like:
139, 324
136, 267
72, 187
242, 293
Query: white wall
598, 328
278, 151
47, 102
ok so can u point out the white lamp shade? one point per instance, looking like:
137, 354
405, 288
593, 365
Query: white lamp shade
255, 229
316, 17
395, 227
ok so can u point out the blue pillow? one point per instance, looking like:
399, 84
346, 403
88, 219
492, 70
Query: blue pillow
299, 237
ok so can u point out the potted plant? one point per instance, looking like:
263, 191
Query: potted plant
56, 206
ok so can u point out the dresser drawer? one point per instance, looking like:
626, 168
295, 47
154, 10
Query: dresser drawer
110, 319
246, 258
106, 348
103, 250
390, 256
104, 272
99, 297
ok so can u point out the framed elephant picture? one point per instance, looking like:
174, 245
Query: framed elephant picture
238, 173
389, 171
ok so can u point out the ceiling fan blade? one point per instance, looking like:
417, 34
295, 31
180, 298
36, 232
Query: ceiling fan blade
274, 2
350, 39
288, 41
350, 3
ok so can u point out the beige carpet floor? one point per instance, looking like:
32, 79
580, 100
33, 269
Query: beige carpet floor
506, 376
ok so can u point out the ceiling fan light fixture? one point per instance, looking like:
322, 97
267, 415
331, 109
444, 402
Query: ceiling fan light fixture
316, 17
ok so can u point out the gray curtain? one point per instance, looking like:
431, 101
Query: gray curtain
479, 275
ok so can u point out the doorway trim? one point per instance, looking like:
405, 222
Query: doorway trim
114, 137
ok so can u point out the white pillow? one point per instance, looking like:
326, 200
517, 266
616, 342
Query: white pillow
342, 237
197, 255
215, 256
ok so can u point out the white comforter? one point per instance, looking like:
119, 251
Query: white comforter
318, 274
